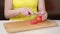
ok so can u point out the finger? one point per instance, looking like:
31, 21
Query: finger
44, 17
25, 13
30, 11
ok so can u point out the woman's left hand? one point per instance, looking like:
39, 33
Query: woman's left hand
43, 14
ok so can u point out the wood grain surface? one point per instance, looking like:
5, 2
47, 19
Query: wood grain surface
19, 26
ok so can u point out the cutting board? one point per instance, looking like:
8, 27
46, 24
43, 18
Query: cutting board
19, 26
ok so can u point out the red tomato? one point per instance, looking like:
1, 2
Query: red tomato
33, 22
39, 18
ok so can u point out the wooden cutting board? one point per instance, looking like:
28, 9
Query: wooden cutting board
19, 26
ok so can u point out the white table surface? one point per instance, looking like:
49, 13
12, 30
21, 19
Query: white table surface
53, 30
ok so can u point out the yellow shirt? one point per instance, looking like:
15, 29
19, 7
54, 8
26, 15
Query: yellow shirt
31, 4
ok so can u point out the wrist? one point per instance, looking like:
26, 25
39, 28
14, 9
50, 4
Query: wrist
41, 9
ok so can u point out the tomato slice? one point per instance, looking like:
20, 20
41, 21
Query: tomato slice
33, 22
39, 18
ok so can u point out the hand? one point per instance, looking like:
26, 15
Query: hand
25, 11
43, 14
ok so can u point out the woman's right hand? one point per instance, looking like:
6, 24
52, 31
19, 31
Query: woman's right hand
25, 11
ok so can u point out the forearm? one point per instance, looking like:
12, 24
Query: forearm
11, 13
41, 5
